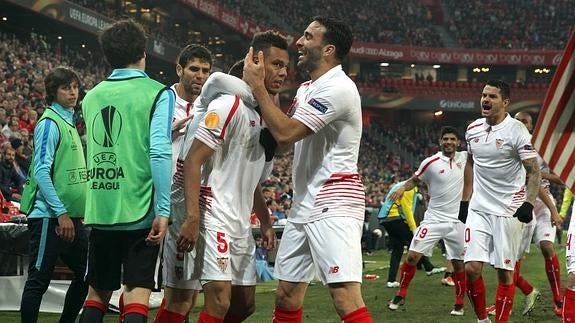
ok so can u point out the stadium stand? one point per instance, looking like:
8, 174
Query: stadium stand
24, 62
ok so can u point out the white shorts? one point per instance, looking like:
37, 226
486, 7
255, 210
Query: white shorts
526, 238
332, 246
492, 239
570, 244
544, 230
429, 234
224, 258
178, 268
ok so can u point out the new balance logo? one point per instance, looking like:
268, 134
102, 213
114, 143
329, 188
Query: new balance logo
333, 270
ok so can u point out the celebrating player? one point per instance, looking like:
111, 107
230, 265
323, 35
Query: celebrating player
500, 161
443, 173
325, 224
217, 223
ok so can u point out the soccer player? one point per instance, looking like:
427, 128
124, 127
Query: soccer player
569, 298
193, 68
501, 160
443, 173
543, 232
325, 223
128, 131
54, 199
218, 209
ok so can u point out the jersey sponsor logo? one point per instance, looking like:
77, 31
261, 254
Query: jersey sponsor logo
333, 270
442, 171
498, 143
222, 263
107, 127
317, 105
212, 120
252, 123
79, 175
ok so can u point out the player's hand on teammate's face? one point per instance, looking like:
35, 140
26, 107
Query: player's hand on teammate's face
189, 233
158, 231
254, 69
65, 228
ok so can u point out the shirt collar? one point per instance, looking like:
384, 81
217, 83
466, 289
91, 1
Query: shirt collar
66, 113
179, 100
499, 125
122, 73
443, 157
326, 76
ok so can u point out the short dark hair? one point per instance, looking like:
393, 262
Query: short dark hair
123, 43
267, 39
338, 34
237, 70
57, 77
194, 51
502, 86
449, 129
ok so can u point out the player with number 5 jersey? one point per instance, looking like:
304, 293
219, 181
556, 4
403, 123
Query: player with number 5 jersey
222, 172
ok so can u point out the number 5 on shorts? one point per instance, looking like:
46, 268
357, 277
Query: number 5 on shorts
222, 242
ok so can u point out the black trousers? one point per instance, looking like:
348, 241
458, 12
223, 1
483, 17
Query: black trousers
44, 250
400, 236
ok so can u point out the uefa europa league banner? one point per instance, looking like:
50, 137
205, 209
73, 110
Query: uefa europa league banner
92, 22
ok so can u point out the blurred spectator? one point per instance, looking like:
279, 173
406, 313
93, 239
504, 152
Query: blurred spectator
10, 182
264, 271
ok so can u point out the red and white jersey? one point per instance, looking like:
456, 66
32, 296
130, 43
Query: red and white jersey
325, 177
231, 175
182, 109
498, 173
444, 177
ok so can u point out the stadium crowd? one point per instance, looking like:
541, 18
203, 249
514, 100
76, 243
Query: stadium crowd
535, 25
538, 24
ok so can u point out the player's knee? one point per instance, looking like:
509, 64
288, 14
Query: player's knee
287, 300
547, 249
413, 258
219, 304
472, 271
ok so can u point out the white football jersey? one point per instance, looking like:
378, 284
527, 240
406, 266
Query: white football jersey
498, 173
444, 177
182, 109
230, 177
325, 177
